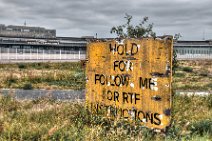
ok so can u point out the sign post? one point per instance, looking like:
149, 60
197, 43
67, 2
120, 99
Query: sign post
131, 79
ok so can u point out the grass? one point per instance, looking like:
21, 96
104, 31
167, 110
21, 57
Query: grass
179, 74
187, 69
190, 75
193, 75
42, 76
27, 86
45, 119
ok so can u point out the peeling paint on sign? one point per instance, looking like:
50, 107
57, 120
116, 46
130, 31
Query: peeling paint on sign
131, 79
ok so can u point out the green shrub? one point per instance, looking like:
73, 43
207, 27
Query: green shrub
21, 66
179, 75
28, 86
204, 74
202, 127
11, 80
188, 69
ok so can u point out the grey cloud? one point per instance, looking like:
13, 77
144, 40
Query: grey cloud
80, 17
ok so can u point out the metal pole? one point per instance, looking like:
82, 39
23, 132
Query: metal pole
43, 54
37, 53
8, 53
49, 54
16, 51
23, 54
79, 54
60, 54
54, 53
30, 55
74, 54
0, 53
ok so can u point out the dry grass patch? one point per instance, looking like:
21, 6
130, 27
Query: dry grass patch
193, 75
45, 119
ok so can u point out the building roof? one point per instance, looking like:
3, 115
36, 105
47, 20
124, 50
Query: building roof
193, 43
26, 31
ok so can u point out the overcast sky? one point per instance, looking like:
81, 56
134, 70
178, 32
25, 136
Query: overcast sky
191, 18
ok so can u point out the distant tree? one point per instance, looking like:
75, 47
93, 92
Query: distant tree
177, 36
143, 29
174, 60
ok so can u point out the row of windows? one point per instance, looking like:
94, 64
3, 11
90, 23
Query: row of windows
68, 49
82, 48
196, 51
40, 51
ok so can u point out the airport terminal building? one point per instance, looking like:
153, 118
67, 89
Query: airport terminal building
39, 44
193, 50
36, 43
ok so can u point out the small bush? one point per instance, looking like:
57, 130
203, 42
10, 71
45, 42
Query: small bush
28, 86
204, 74
46, 66
11, 80
179, 75
202, 127
36, 66
21, 66
188, 69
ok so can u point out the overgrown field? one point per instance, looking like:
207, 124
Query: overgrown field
51, 120
46, 119
190, 75
42, 76
193, 75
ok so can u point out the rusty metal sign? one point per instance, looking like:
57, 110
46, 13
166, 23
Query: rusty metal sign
131, 79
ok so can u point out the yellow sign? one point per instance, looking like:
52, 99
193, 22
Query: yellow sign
131, 79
